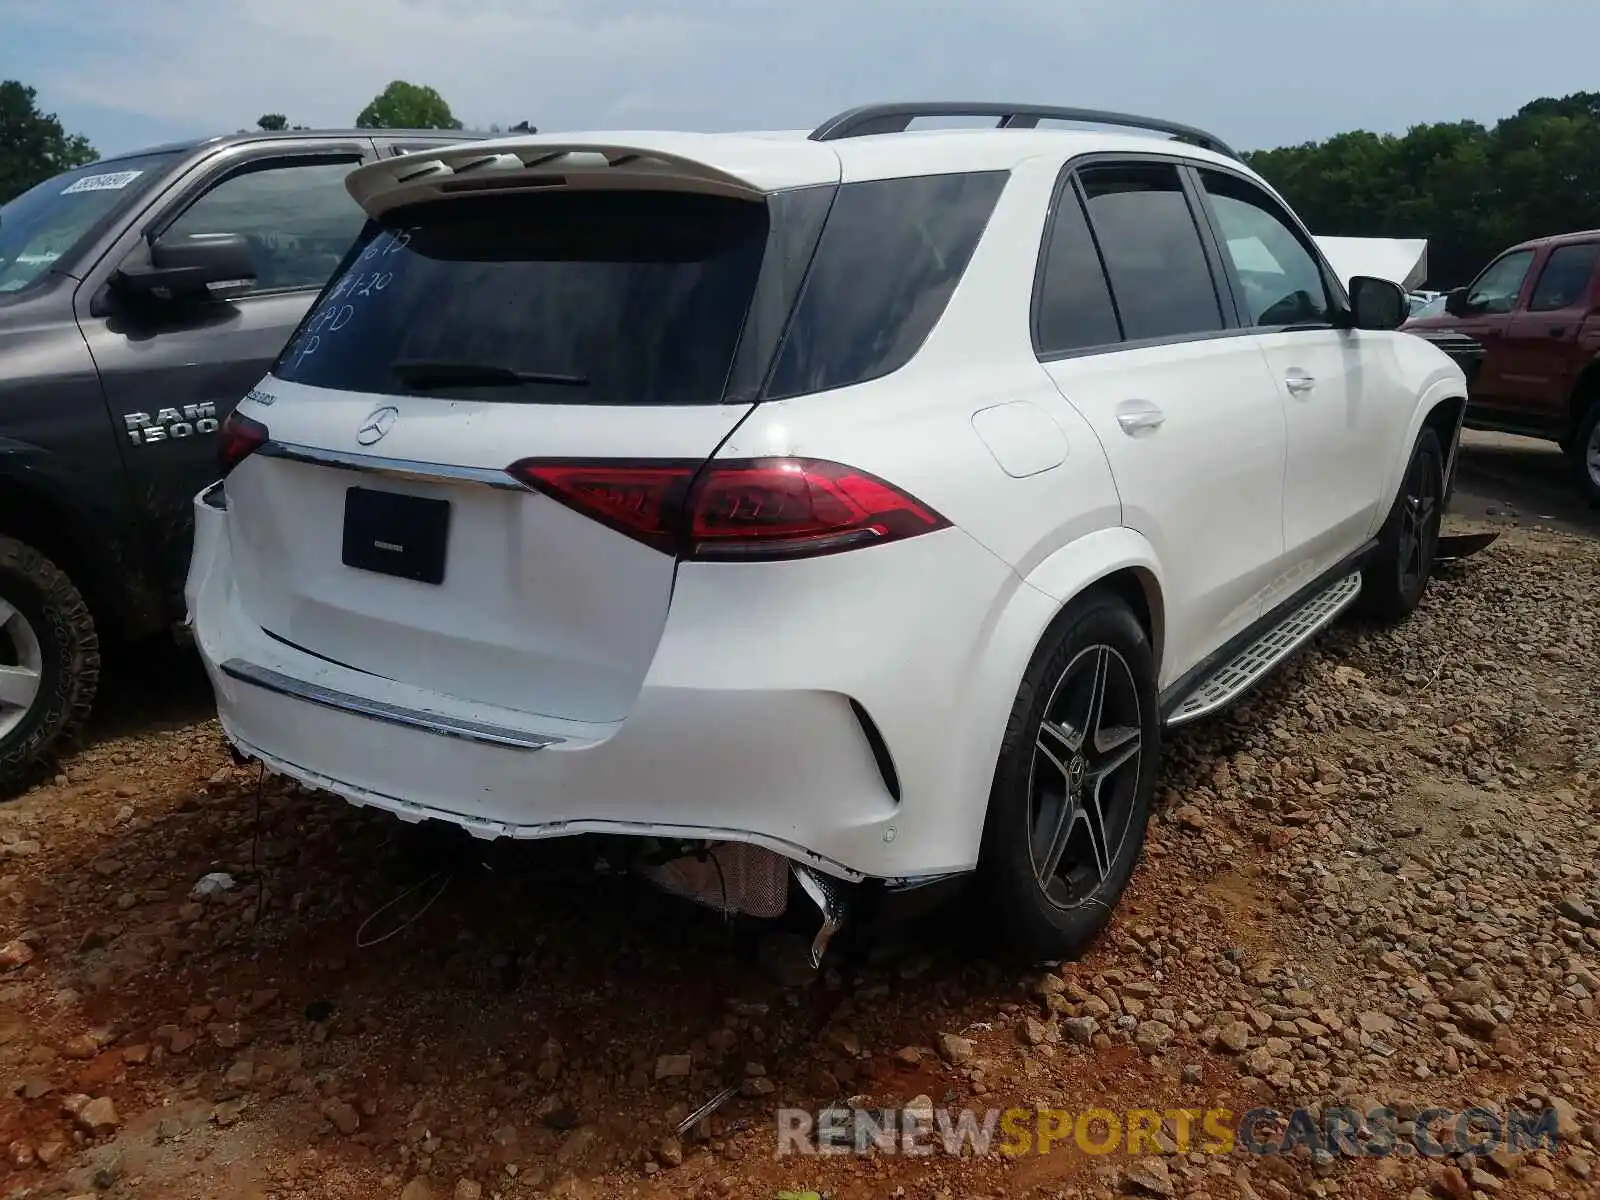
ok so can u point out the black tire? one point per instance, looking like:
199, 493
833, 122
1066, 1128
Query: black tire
1584, 453
1056, 919
44, 621
1393, 583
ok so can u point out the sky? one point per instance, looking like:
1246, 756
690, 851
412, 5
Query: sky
1257, 73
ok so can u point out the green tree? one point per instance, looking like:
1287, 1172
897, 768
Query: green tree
1471, 191
273, 122
404, 105
33, 144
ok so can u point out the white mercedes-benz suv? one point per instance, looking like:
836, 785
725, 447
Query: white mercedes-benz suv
830, 515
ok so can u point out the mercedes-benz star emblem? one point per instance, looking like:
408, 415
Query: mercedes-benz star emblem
1077, 770
379, 422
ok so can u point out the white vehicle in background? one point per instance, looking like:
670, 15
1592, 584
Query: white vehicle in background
850, 513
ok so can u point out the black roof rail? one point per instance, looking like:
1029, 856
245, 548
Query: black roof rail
895, 118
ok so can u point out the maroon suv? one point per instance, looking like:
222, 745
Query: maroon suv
1535, 310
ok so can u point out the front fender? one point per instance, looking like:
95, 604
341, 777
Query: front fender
1447, 385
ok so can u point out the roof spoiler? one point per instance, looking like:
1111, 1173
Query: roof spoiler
756, 168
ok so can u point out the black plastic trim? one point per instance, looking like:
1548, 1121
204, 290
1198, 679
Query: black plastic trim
895, 118
1181, 688
298, 648
879, 748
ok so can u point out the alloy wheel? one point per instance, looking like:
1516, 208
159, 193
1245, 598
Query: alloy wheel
1419, 524
21, 668
1084, 776
1591, 456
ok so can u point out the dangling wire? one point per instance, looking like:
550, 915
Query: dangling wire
364, 943
255, 846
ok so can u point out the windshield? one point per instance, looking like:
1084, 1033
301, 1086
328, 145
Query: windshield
49, 222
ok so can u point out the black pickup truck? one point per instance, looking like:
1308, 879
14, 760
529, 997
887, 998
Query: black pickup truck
140, 298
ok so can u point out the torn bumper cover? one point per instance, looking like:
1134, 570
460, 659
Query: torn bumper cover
739, 878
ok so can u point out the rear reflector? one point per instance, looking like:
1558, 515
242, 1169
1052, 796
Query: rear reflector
740, 510
237, 440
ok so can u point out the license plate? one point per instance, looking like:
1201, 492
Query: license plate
392, 534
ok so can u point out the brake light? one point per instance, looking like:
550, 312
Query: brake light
739, 510
238, 439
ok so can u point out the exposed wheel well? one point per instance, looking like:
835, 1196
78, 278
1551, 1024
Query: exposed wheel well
30, 518
1442, 419
1585, 392
112, 591
1139, 591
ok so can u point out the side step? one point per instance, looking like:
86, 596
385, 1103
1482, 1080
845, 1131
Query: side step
1242, 672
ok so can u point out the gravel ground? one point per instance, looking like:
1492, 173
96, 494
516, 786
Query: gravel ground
1377, 882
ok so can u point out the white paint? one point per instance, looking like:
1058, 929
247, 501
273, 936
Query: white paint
712, 699
1023, 440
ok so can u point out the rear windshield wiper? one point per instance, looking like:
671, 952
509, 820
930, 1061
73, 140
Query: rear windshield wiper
425, 375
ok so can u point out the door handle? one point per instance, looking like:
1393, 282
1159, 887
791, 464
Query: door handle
1557, 330
1298, 382
1139, 416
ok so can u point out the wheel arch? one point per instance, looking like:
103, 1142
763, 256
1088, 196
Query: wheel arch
1441, 407
1585, 391
1117, 560
1445, 418
118, 592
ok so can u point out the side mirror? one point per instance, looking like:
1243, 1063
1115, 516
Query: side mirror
211, 266
1377, 303
1455, 302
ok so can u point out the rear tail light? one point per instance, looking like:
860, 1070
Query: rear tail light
237, 440
768, 508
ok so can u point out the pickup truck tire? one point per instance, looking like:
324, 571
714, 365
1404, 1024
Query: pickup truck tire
45, 631
1584, 453
1393, 582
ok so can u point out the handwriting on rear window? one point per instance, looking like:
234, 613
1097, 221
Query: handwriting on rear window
363, 279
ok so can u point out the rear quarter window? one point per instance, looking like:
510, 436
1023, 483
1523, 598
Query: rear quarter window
891, 254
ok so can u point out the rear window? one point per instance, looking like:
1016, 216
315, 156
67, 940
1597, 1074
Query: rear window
621, 298
891, 254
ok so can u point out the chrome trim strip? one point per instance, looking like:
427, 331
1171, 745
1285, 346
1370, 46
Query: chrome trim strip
399, 468
378, 710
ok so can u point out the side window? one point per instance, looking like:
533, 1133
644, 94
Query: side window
1152, 250
1496, 290
298, 219
890, 256
1282, 283
1565, 278
1073, 310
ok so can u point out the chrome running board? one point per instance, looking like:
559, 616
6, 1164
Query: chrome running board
1236, 676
